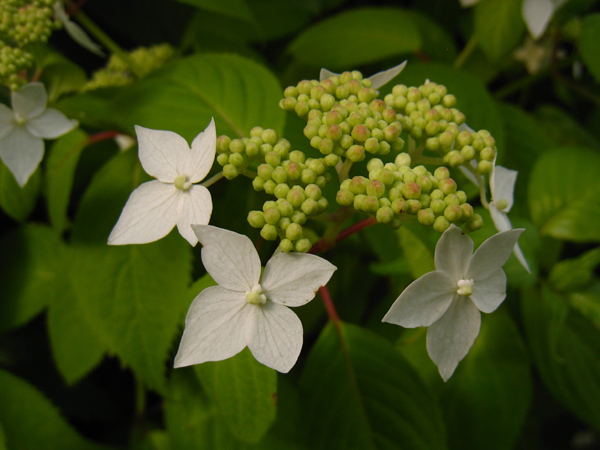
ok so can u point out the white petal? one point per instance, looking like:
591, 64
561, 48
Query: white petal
467, 173
230, 258
500, 219
450, 338
6, 121
502, 185
453, 252
276, 340
217, 326
81, 37
195, 207
468, 3
382, 78
202, 154
490, 292
163, 154
326, 74
51, 124
30, 100
292, 279
492, 254
423, 302
520, 257
22, 153
149, 214
537, 15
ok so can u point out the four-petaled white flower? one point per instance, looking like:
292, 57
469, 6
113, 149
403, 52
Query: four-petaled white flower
502, 185
24, 128
245, 309
449, 300
377, 80
155, 207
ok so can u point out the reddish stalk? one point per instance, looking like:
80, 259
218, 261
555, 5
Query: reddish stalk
329, 307
356, 228
328, 241
103, 136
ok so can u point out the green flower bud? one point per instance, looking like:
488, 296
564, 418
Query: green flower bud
301, 108
282, 148
399, 206
453, 213
296, 196
449, 101
370, 204
327, 102
326, 146
285, 208
375, 188
273, 159
313, 191
464, 138
286, 245
256, 219
279, 175
403, 159
372, 145
384, 214
323, 204
432, 144
310, 131
441, 224
432, 128
284, 223
304, 87
437, 206
413, 95
344, 197
394, 193
269, 186
223, 144
400, 103
383, 201
342, 92
308, 176
467, 152
269, 136
263, 148
223, 159
346, 141
237, 146
475, 223
467, 211
458, 117
389, 115
358, 185
258, 184
441, 173
426, 217
317, 166
487, 153
288, 103
309, 207
462, 196
291, 91
331, 160
484, 167
454, 159
360, 133
269, 232
256, 132
272, 215
386, 177
294, 232
334, 132
414, 206
298, 217
237, 159
356, 153
230, 171
425, 200
446, 139
281, 190
411, 190
321, 180
434, 98
399, 89
303, 245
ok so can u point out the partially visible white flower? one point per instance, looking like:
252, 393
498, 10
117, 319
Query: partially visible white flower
377, 80
24, 128
449, 300
538, 13
534, 55
124, 141
502, 185
155, 207
468, 3
75, 31
245, 309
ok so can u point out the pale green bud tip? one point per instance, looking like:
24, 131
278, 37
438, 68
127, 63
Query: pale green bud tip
182, 183
475, 223
255, 296
256, 219
465, 287
303, 245
286, 245
501, 204
269, 232
230, 171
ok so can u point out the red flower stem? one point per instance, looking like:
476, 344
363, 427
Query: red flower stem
329, 307
103, 136
356, 228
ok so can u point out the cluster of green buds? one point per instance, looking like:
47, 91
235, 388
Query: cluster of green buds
294, 180
22, 23
118, 72
428, 114
394, 192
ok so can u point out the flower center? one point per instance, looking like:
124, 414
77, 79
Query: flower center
182, 183
502, 204
465, 287
255, 296
19, 120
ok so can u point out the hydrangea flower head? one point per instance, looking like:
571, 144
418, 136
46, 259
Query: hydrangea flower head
24, 128
155, 207
449, 299
245, 309
377, 80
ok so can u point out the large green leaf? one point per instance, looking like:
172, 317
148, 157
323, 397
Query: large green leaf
32, 275
359, 392
135, 294
566, 351
234, 8
498, 26
589, 44
472, 97
486, 401
184, 95
244, 392
357, 37
30, 421
60, 170
17, 201
563, 194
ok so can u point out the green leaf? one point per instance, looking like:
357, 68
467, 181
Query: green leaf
2, 439
62, 76
60, 171
575, 273
589, 44
437, 44
418, 255
234, 8
498, 26
17, 201
472, 97
238, 92
566, 351
486, 401
244, 392
32, 276
563, 129
359, 392
587, 303
357, 37
30, 421
563, 197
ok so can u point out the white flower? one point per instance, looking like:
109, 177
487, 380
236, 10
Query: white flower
538, 13
449, 299
75, 31
377, 80
155, 207
502, 185
24, 128
245, 310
